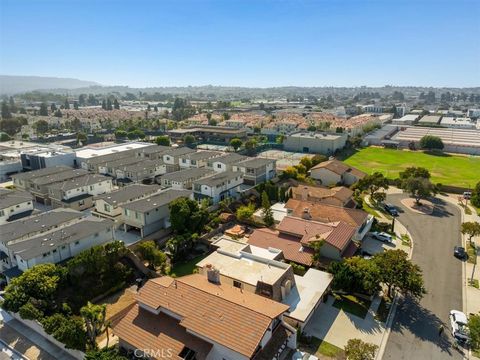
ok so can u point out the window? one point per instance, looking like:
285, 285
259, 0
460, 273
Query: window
126, 212
2, 213
45, 254
95, 235
63, 247
137, 215
54, 251
17, 206
91, 187
237, 284
219, 166
106, 207
77, 242
193, 162
81, 203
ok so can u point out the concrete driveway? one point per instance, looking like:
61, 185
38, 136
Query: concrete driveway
415, 328
337, 326
373, 246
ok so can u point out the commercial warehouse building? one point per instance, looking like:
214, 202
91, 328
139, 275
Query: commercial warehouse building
461, 141
317, 143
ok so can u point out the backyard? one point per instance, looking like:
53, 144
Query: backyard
455, 170
320, 348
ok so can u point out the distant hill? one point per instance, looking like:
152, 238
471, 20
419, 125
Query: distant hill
18, 84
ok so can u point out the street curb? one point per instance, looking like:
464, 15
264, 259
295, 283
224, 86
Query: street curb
393, 309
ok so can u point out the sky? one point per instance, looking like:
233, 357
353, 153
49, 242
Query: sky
254, 43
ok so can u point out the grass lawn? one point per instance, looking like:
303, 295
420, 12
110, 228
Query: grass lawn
352, 304
472, 253
186, 268
462, 171
321, 349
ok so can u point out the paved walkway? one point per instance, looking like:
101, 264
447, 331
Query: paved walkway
337, 326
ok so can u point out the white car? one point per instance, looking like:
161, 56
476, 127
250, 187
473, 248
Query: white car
382, 236
459, 322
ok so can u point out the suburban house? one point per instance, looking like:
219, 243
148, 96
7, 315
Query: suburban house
152, 152
357, 218
294, 237
225, 162
151, 213
172, 157
258, 270
24, 180
38, 185
108, 206
78, 193
336, 196
14, 205
333, 172
140, 171
199, 317
197, 159
256, 170
219, 186
96, 161
50, 236
110, 167
184, 179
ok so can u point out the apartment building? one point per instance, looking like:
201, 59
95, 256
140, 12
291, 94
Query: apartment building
256, 170
109, 205
183, 179
144, 170
78, 193
14, 205
199, 317
219, 186
151, 213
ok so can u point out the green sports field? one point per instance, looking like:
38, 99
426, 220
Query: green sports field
462, 171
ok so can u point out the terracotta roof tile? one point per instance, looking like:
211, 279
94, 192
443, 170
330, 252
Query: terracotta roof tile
326, 213
222, 313
339, 168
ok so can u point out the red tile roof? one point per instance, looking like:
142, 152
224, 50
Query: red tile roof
339, 168
291, 247
225, 314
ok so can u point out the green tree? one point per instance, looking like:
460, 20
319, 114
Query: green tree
39, 283
10, 126
12, 105
68, 330
95, 319
6, 114
307, 162
120, 133
109, 104
116, 105
356, 349
41, 126
372, 184
189, 139
4, 137
75, 105
289, 173
163, 140
226, 116
399, 273
474, 327
58, 114
104, 354
136, 134
317, 159
414, 172
28, 311
267, 210
431, 142
82, 138
104, 104
186, 216
236, 143
418, 188
470, 228
245, 212
475, 200
155, 257
66, 105
312, 128
43, 110
251, 146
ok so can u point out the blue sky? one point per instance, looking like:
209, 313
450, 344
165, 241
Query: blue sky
245, 43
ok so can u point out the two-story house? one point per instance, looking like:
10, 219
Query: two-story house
256, 170
109, 205
14, 205
78, 193
144, 170
219, 186
197, 159
199, 317
333, 172
225, 162
151, 213
337, 196
184, 179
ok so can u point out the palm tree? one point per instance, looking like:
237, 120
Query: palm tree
95, 320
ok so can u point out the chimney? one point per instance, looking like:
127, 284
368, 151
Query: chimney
306, 214
213, 275
305, 194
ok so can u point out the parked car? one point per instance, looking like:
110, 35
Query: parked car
382, 236
459, 322
459, 252
467, 195
392, 210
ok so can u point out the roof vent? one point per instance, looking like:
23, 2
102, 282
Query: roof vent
213, 275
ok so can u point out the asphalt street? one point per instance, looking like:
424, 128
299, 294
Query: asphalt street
415, 331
